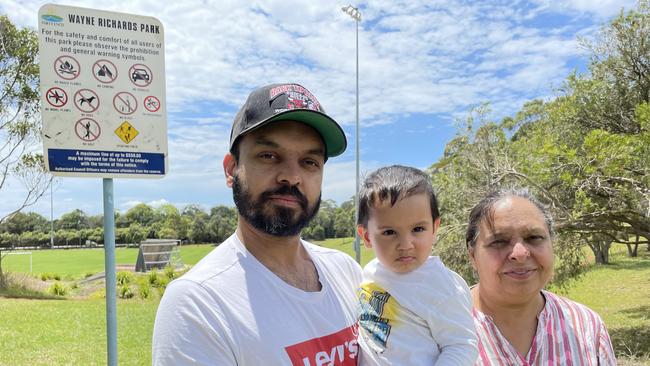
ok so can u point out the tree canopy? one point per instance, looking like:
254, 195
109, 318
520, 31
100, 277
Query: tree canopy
20, 124
586, 153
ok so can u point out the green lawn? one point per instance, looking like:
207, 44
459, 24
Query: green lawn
72, 332
76, 263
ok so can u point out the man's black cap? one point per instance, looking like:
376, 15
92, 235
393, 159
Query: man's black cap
287, 102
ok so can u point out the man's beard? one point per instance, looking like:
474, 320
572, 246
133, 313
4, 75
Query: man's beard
281, 221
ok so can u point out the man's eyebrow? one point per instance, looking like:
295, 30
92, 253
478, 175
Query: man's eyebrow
261, 140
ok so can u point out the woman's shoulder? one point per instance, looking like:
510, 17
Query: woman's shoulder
559, 306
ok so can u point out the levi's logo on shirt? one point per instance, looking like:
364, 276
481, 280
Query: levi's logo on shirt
336, 349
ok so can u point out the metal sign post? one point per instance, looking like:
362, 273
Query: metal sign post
103, 108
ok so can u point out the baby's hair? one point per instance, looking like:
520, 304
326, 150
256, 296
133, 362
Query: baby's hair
393, 183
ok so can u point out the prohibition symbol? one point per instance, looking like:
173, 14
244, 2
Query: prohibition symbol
57, 97
104, 71
151, 103
87, 129
140, 75
67, 67
86, 100
125, 103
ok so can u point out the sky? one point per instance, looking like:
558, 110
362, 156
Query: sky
423, 65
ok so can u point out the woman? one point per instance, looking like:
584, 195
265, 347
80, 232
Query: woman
509, 241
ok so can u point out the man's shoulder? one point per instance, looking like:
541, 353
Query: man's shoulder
218, 263
329, 253
332, 259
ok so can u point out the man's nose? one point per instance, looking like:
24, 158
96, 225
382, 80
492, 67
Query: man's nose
290, 174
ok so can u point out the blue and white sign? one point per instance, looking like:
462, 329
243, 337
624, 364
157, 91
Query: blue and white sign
103, 93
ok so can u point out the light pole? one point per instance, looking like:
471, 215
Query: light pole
356, 15
51, 215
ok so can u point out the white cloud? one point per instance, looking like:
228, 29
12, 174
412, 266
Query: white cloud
430, 58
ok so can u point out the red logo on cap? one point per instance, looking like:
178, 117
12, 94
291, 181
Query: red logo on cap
297, 97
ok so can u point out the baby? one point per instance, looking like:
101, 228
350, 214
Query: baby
413, 309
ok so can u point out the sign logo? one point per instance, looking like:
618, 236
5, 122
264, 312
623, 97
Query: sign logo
51, 18
126, 132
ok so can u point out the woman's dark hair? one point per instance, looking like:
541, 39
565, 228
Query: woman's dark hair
394, 183
484, 209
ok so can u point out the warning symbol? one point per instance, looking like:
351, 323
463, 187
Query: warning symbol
104, 71
86, 100
140, 75
87, 129
151, 103
126, 132
67, 67
125, 103
57, 97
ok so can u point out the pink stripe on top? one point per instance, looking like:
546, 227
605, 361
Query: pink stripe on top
572, 334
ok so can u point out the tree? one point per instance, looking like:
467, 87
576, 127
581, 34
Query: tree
222, 223
141, 214
74, 220
344, 225
19, 113
21, 222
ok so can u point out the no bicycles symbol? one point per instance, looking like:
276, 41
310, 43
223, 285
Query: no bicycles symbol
152, 104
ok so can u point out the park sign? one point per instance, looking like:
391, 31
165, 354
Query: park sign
102, 93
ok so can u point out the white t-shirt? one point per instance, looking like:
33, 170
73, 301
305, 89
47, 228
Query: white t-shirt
232, 310
422, 317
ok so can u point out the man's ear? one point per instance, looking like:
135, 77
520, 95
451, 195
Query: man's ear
363, 234
229, 165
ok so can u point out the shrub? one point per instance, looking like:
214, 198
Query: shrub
170, 273
144, 290
58, 289
125, 292
153, 279
124, 277
50, 276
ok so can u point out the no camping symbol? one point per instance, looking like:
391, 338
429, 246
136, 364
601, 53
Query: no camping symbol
87, 129
104, 71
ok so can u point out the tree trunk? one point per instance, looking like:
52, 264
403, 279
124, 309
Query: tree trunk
3, 281
600, 248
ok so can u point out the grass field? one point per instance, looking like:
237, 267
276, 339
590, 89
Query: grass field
76, 263
72, 332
